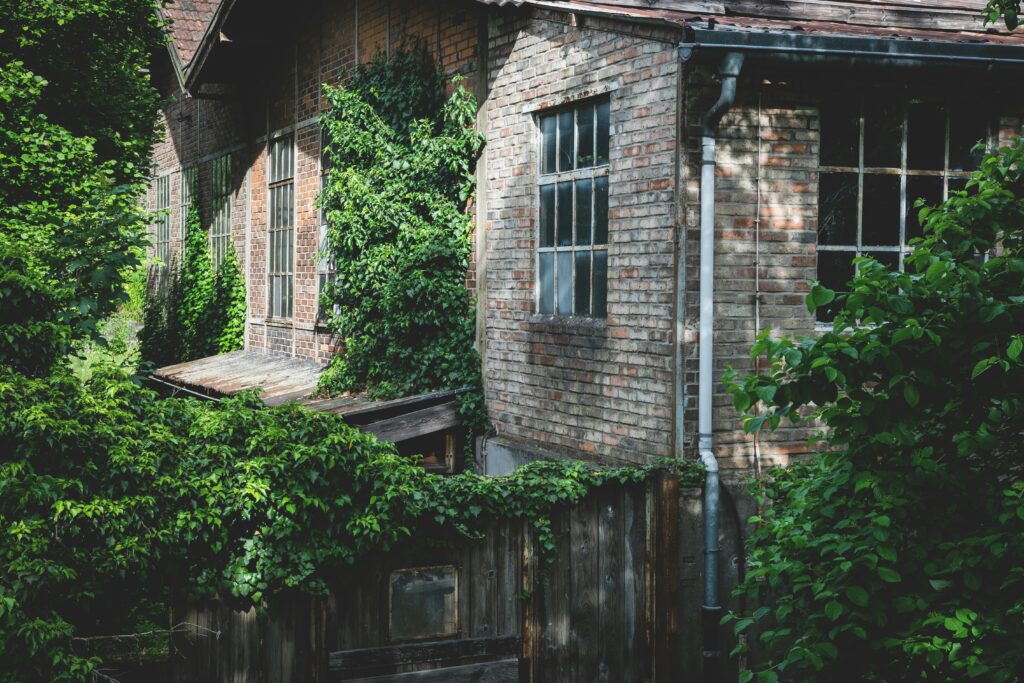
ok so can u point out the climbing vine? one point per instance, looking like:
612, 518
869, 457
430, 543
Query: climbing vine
194, 310
397, 202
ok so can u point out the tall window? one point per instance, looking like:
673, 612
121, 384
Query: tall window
189, 178
327, 270
876, 160
282, 227
163, 219
220, 232
572, 244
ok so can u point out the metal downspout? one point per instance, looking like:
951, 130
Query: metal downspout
732, 62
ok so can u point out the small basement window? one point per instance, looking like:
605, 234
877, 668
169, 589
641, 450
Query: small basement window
876, 159
423, 603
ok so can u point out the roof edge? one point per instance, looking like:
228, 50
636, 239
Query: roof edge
206, 43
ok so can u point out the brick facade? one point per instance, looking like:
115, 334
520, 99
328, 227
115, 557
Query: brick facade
593, 388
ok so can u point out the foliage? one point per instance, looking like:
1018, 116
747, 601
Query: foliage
194, 311
1008, 10
74, 138
399, 231
896, 555
403, 88
109, 495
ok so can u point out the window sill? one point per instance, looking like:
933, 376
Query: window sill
557, 324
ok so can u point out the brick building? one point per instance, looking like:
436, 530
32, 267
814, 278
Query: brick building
588, 241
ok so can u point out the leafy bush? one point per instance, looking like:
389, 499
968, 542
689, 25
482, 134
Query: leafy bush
74, 139
402, 88
194, 311
400, 234
897, 554
110, 497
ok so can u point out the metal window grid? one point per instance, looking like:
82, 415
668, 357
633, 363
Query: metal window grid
163, 219
281, 231
564, 257
220, 232
189, 180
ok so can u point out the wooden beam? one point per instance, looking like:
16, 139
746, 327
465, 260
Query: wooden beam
418, 423
394, 656
504, 671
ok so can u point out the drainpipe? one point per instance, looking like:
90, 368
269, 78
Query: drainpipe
732, 62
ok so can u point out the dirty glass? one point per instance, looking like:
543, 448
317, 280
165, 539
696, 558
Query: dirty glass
423, 603
881, 222
837, 208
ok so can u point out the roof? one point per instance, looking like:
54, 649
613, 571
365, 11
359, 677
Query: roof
188, 21
283, 379
932, 20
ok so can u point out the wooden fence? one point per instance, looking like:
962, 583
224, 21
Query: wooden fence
606, 609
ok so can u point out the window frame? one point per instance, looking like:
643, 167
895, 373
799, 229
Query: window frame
573, 175
441, 635
903, 172
220, 207
162, 220
283, 308
189, 185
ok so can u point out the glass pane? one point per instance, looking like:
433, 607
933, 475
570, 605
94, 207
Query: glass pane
565, 214
601, 210
835, 269
546, 283
926, 137
422, 603
585, 135
563, 282
547, 215
881, 210
883, 135
582, 283
548, 148
967, 127
583, 212
840, 133
921, 187
600, 284
889, 259
603, 129
837, 208
566, 141
958, 184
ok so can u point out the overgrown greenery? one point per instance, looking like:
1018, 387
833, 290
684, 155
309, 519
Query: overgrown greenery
399, 230
194, 311
898, 554
109, 495
74, 139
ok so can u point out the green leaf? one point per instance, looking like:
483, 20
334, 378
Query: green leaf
833, 610
888, 575
857, 596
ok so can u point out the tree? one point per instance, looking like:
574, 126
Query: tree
75, 136
896, 553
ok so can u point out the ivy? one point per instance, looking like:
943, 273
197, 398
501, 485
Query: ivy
896, 553
194, 311
399, 229
109, 496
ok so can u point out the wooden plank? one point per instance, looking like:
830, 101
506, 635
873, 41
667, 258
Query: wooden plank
667, 578
380, 658
509, 543
556, 638
585, 611
504, 671
634, 585
610, 637
417, 423
383, 409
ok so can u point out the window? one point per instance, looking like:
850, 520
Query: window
220, 232
422, 603
572, 244
189, 178
281, 234
876, 160
163, 219
327, 270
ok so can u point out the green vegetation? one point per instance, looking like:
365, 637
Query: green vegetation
399, 231
896, 555
194, 311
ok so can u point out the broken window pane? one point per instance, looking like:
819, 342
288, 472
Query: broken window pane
422, 603
881, 224
585, 137
840, 133
926, 137
837, 208
883, 135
